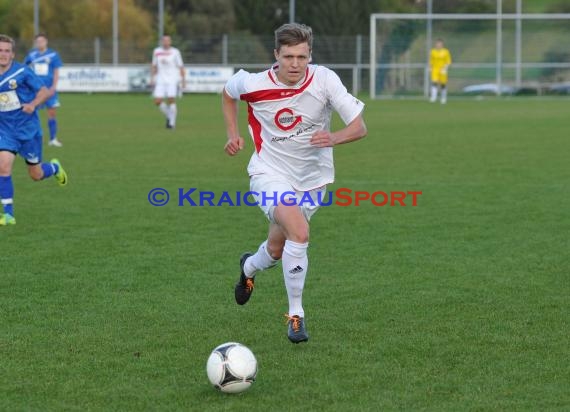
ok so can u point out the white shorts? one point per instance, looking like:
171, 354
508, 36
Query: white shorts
271, 190
165, 90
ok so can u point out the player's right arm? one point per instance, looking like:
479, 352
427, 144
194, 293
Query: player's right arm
234, 88
230, 109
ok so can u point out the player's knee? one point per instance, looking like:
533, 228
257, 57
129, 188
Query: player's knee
299, 234
5, 169
275, 249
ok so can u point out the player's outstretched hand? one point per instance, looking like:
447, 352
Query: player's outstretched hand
322, 138
234, 145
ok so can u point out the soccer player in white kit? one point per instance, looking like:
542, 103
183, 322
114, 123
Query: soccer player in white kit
290, 107
167, 74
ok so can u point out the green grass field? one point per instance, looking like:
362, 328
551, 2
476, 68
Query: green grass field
458, 304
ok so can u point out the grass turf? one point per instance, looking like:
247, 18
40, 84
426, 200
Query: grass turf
460, 303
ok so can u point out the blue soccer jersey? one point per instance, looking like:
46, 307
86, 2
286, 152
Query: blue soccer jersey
18, 85
44, 64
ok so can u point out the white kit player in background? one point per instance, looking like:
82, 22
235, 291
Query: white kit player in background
290, 107
167, 75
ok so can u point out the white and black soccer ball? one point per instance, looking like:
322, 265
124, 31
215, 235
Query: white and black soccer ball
232, 367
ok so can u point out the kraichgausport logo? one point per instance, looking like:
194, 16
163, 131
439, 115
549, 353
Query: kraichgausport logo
340, 197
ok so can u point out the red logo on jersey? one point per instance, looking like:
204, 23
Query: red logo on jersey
286, 120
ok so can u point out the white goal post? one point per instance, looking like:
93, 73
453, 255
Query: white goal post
498, 64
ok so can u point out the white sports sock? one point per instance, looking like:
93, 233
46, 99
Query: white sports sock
433, 93
173, 112
164, 109
295, 264
261, 260
443, 95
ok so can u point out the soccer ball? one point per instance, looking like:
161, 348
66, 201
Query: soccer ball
231, 367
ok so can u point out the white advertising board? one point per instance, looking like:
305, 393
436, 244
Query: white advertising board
199, 79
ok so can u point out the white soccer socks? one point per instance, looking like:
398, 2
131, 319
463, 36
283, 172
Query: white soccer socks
433, 96
444, 95
164, 109
295, 264
172, 115
261, 260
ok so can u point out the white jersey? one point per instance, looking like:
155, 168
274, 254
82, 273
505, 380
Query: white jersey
282, 120
168, 63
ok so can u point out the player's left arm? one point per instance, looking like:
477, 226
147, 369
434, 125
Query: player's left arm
355, 130
53, 87
35, 84
182, 77
348, 107
447, 62
41, 96
56, 64
182, 71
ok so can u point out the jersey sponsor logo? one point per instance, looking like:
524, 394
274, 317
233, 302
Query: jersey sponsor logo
286, 120
12, 84
9, 101
41, 69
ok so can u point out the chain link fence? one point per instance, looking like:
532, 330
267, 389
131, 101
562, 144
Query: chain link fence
347, 55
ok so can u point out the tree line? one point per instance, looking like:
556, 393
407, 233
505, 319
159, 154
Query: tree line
87, 19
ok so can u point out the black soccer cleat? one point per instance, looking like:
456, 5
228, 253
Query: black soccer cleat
296, 329
244, 288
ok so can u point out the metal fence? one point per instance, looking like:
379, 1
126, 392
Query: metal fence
347, 55
494, 53
529, 54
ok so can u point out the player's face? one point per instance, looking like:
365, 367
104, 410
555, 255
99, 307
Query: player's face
293, 61
6, 54
438, 45
166, 42
41, 43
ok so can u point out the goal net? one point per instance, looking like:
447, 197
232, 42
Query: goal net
492, 53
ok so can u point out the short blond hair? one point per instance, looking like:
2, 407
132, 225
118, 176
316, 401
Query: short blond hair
7, 39
292, 34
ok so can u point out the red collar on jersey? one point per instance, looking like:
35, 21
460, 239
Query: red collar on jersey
276, 94
276, 66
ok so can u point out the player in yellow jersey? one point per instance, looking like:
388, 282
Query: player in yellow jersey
439, 62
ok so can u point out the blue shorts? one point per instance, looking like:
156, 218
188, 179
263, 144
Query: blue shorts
30, 150
50, 103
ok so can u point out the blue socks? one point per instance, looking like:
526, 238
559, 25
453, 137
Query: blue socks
49, 169
52, 125
7, 194
7, 187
